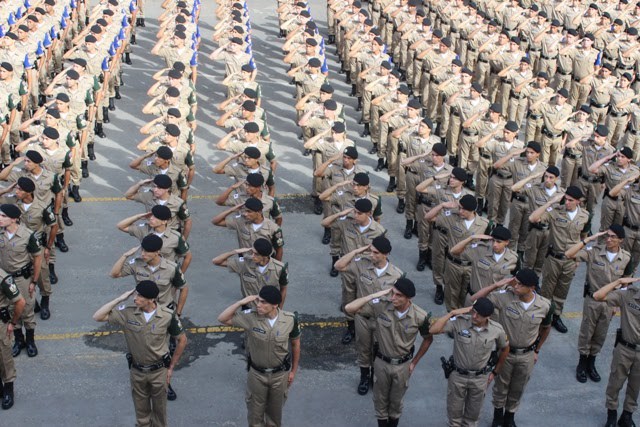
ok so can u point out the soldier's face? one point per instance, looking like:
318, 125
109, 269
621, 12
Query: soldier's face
259, 259
570, 203
362, 218
29, 166
478, 320
549, 180
158, 192
347, 162
148, 256
4, 74
532, 155
5, 221
264, 308
519, 289
359, 189
499, 245
142, 302
398, 299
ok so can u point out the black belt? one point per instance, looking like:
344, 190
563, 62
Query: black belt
485, 156
503, 175
486, 61
412, 171
572, 156
514, 95
539, 226
270, 370
522, 350
25, 271
534, 116
469, 133
565, 74
470, 373
592, 179
453, 30
503, 80
458, 260
593, 104
577, 80
396, 360
606, 193
549, 134
441, 229
627, 224
556, 255
455, 113
423, 200
549, 58
535, 49
620, 114
148, 368
609, 58
634, 132
520, 197
624, 67
470, 49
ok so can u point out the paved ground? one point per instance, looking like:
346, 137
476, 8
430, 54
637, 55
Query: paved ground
80, 376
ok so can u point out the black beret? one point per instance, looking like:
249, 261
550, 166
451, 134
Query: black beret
586, 109
270, 294
34, 156
476, 86
483, 306
314, 62
179, 66
543, 75
501, 233
460, 174
53, 112
174, 112
632, 31
251, 127
162, 181
468, 202
382, 244
406, 287
496, 108
446, 41
253, 204
627, 152
151, 243
553, 170
361, 178
387, 65
26, 184
161, 212
175, 74
173, 91
252, 152
62, 97
51, 133
327, 88
527, 277
255, 179
148, 289
575, 192
81, 62
90, 39
73, 74
403, 89
602, 130
164, 152
415, 104
437, 33
511, 126
627, 76
97, 29
351, 151
563, 93
535, 146
467, 71
25, 28
338, 127
440, 149
427, 121
363, 205
330, 105
11, 211
172, 129
618, 229
7, 66
556, 23
249, 106
263, 246
311, 41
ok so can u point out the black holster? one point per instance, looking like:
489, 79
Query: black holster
166, 359
585, 293
618, 336
447, 366
5, 316
129, 357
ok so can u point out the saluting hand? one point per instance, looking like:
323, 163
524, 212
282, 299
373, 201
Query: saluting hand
131, 251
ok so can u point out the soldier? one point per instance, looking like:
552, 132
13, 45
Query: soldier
162, 164
621, 97
477, 340
398, 322
239, 165
585, 59
253, 186
605, 263
624, 352
367, 270
526, 318
9, 296
174, 247
566, 224
577, 131
151, 366
273, 338
21, 255
554, 116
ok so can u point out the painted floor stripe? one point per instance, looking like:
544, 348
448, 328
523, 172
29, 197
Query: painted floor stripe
208, 197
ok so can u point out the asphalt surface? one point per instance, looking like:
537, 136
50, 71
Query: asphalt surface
80, 376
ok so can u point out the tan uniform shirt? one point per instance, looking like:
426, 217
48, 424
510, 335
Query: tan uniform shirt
167, 276
252, 280
485, 270
600, 270
472, 347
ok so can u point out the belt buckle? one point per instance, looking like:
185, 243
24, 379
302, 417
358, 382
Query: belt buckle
393, 361
268, 370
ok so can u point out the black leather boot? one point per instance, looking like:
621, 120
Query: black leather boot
400, 209
591, 369
61, 244
65, 217
127, 60
612, 416
19, 343
559, 324
383, 423
453, 161
408, 228
317, 206
75, 192
326, 238
350, 333
348, 79
171, 394
498, 417
105, 114
374, 150
332, 40
428, 257
508, 419
469, 184
138, 22
45, 314
32, 350
112, 104
392, 184
117, 90
353, 91
53, 278
133, 39
393, 422
422, 260
359, 106
480, 206
84, 165
581, 370
142, 22
7, 395
99, 130
91, 152
363, 386
334, 272
365, 132
380, 165
438, 298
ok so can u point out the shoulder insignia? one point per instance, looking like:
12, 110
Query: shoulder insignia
132, 261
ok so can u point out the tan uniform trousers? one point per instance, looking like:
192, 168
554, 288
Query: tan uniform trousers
536, 249
471, 58
416, 75
550, 149
465, 395
349, 293
412, 179
482, 72
616, 127
456, 285
453, 128
533, 131
7, 366
390, 384
611, 212
569, 170
468, 154
625, 366
366, 106
28, 318
591, 191
401, 175
482, 176
44, 283
374, 128
560, 81
518, 225
547, 65
149, 392
499, 198
424, 227
392, 153
631, 139
438, 256
364, 340
599, 115
631, 243
557, 275
383, 142
509, 386
517, 109
596, 316
425, 80
578, 94
265, 398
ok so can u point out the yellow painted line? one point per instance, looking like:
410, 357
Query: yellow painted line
223, 329
208, 197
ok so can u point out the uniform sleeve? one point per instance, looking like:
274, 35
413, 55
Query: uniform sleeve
549, 317
424, 327
48, 216
502, 341
138, 231
128, 268
275, 211
615, 298
377, 212
56, 187
175, 327
34, 247
178, 280
188, 160
242, 319
66, 164
583, 254
450, 326
183, 212
234, 264
117, 315
181, 182
295, 332
277, 240
10, 289
183, 247
284, 275
232, 221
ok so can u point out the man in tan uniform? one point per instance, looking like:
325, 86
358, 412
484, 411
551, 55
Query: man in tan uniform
526, 318
273, 343
605, 263
476, 342
9, 296
366, 274
151, 366
625, 349
398, 322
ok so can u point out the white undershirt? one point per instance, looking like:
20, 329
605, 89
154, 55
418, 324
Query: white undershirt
498, 257
148, 316
26, 206
550, 191
380, 271
401, 314
364, 228
10, 235
526, 305
611, 256
257, 227
468, 223
573, 214
262, 268
272, 321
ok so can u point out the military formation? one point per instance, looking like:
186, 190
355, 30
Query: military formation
501, 127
